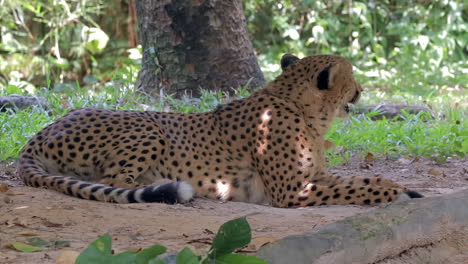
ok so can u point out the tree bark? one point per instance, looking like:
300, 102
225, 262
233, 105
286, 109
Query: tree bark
193, 44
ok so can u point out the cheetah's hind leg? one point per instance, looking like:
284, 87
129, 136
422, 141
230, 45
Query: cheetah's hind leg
339, 194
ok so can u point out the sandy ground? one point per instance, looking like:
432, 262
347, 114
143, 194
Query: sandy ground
53, 216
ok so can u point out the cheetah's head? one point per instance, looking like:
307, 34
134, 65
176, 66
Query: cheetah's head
328, 79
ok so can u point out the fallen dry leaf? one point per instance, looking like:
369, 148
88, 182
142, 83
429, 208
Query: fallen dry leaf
257, 243
27, 233
329, 144
67, 257
11, 193
17, 222
23, 247
436, 172
3, 187
369, 158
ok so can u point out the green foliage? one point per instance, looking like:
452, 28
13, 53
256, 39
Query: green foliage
418, 46
232, 235
437, 138
17, 128
22, 247
50, 43
39, 242
36, 244
100, 252
186, 256
418, 135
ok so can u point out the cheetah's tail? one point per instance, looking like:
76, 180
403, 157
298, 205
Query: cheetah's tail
174, 192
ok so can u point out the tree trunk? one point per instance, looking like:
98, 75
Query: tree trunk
192, 44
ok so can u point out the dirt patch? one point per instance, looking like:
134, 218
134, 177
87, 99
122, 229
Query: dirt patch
53, 216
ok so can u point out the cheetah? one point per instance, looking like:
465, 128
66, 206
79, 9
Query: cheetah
265, 149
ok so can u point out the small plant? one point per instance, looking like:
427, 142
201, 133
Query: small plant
231, 235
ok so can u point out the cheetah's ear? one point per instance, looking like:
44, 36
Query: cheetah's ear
287, 60
326, 77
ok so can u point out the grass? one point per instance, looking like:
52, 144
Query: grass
443, 136
418, 135
17, 128
415, 136
437, 138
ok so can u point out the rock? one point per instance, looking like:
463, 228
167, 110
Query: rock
404, 161
374, 236
392, 110
21, 102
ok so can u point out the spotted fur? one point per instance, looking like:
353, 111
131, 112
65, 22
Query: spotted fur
268, 148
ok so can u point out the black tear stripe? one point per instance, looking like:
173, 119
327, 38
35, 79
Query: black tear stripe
323, 78
355, 98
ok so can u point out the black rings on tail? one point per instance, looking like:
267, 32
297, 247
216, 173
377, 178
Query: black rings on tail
170, 193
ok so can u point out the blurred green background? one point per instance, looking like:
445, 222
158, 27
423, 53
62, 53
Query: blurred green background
414, 46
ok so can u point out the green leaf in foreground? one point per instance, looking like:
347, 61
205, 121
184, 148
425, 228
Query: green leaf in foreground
25, 247
100, 251
232, 235
156, 261
148, 254
238, 258
186, 256
127, 257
